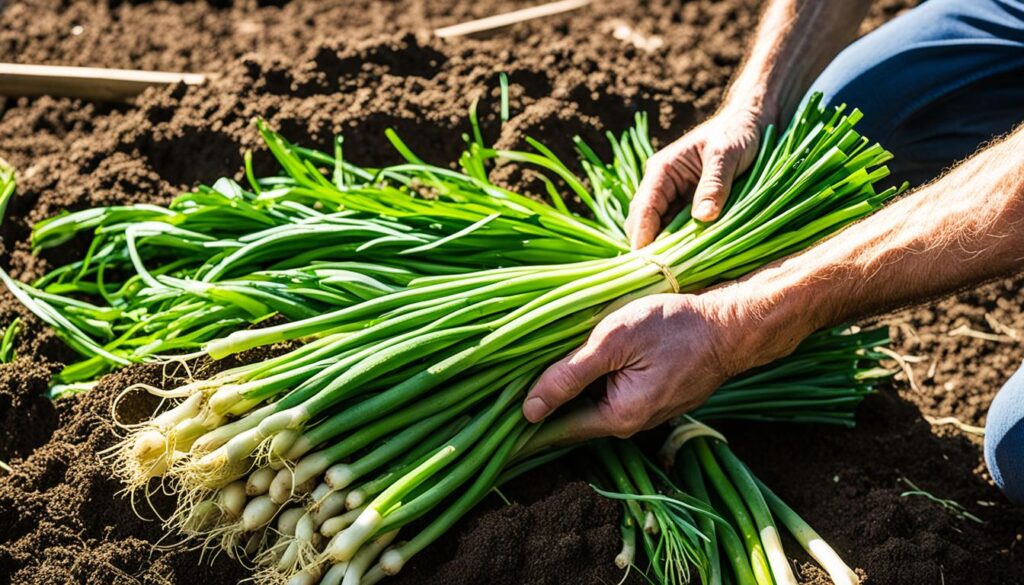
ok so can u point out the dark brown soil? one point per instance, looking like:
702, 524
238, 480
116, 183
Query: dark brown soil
63, 522
317, 68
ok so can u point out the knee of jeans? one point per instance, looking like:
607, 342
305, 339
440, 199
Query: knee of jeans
840, 78
1004, 438
857, 77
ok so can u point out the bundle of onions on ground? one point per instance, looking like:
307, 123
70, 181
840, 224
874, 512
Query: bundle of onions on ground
396, 405
403, 400
158, 280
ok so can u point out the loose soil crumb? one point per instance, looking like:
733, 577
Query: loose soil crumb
313, 69
555, 531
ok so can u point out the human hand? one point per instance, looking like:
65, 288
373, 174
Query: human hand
663, 356
701, 164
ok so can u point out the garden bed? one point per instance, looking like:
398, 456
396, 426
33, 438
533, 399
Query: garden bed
317, 68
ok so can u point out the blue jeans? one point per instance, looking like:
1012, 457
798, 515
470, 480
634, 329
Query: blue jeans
935, 84
1004, 438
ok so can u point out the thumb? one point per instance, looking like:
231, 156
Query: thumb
564, 380
719, 168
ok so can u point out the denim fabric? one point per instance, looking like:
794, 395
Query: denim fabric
935, 83
1004, 438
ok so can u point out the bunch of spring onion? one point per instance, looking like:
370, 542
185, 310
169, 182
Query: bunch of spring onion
399, 405
157, 280
821, 382
715, 517
672, 526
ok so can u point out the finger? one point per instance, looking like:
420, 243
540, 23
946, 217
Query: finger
564, 380
715, 183
642, 226
658, 189
591, 420
575, 426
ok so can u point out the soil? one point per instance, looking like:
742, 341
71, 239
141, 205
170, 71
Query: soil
317, 68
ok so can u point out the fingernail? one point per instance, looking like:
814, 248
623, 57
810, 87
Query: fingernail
535, 409
705, 209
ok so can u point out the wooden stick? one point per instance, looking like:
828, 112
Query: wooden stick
509, 18
85, 82
122, 84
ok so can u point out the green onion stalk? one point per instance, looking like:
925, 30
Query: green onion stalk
8, 184
404, 401
159, 280
8, 351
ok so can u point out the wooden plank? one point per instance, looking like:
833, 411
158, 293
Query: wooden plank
122, 84
85, 82
509, 18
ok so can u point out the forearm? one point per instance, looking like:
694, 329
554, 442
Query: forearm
961, 230
794, 42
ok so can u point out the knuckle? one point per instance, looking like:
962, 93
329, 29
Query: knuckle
708, 190
651, 198
712, 182
735, 150
717, 152
715, 170
563, 383
609, 330
662, 171
641, 202
647, 306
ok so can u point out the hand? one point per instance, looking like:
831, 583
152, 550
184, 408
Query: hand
663, 356
703, 163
